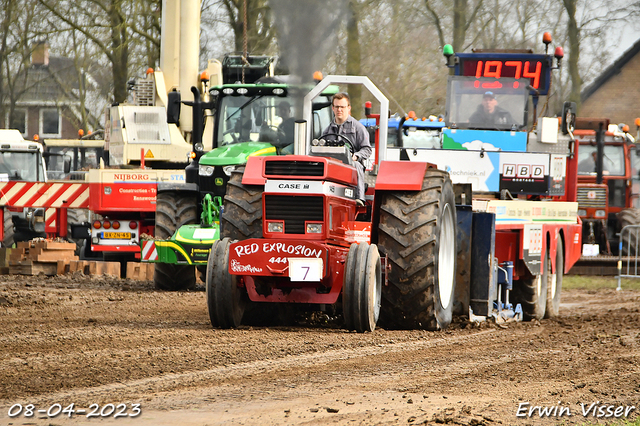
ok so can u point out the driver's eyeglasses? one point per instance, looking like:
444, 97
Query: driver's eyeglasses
341, 106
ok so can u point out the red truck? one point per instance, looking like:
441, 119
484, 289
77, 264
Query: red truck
116, 205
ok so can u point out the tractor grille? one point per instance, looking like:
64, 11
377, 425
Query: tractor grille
600, 200
294, 211
294, 168
216, 184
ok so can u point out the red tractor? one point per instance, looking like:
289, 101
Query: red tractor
608, 190
309, 242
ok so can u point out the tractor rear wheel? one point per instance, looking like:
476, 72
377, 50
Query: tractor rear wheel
417, 232
8, 229
554, 282
174, 209
531, 293
225, 300
362, 288
242, 214
630, 243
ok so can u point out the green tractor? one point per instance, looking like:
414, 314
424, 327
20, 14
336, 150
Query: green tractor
254, 119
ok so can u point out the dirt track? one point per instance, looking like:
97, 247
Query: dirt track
84, 341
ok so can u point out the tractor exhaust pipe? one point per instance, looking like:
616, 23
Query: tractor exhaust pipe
300, 132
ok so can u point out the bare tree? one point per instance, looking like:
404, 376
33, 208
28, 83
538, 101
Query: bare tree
19, 33
231, 14
116, 27
589, 27
457, 17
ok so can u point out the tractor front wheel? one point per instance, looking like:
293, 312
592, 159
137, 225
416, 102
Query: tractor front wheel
225, 300
174, 209
417, 232
362, 288
630, 243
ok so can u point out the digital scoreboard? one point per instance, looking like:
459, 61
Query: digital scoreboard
535, 67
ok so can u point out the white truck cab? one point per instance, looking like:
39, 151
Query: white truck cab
20, 159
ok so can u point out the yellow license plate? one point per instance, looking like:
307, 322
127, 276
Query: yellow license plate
117, 235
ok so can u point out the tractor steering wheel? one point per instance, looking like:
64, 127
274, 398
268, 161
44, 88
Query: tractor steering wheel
336, 142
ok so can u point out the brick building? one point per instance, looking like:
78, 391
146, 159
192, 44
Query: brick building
614, 94
47, 104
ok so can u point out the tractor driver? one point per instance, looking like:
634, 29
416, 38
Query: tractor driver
489, 112
344, 124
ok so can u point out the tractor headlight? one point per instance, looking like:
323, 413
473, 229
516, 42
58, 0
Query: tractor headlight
275, 226
228, 169
582, 212
601, 213
205, 170
314, 228
199, 146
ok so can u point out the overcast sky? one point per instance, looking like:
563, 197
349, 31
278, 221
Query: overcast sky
629, 35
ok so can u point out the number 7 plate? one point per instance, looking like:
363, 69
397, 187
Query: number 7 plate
305, 269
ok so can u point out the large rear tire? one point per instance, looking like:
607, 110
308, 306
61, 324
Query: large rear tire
361, 294
630, 243
242, 214
225, 300
554, 283
9, 239
174, 209
417, 232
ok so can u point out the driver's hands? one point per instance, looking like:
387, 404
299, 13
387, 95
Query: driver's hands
355, 157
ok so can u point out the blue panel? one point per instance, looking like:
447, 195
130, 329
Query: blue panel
463, 259
483, 288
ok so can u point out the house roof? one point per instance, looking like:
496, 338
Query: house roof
611, 71
53, 82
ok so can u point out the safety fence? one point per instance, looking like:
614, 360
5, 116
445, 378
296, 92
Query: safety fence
628, 248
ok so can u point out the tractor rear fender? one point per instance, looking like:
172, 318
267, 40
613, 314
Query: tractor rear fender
401, 175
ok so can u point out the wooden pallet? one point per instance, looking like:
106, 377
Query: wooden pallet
29, 267
140, 271
90, 267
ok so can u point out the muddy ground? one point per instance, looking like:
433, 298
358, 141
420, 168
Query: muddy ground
83, 341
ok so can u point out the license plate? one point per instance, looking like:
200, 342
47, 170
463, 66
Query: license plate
116, 235
305, 269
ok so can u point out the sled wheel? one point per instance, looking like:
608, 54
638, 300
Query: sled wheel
554, 283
